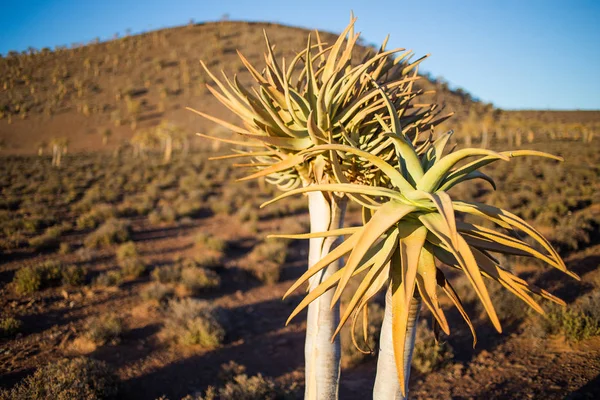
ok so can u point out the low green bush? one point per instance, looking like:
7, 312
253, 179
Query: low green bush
238, 385
113, 231
9, 326
194, 322
109, 279
77, 378
210, 242
429, 355
156, 292
73, 275
65, 248
188, 274
136, 205
129, 260
30, 279
351, 356
95, 216
266, 260
45, 241
165, 214
574, 324
104, 329
27, 280
196, 279
50, 239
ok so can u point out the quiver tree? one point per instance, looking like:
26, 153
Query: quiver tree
41, 146
410, 236
134, 109
322, 97
171, 135
59, 148
142, 141
106, 134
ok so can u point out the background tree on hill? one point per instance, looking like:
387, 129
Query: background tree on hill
106, 134
59, 148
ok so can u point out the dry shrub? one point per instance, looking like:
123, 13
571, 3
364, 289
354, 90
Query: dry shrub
9, 326
68, 379
167, 274
244, 387
187, 207
230, 370
575, 323
93, 218
49, 240
109, 279
266, 260
194, 322
351, 356
247, 213
27, 280
131, 264
428, 354
136, 205
156, 292
104, 329
165, 214
573, 231
221, 207
30, 279
73, 275
210, 242
197, 280
238, 385
208, 260
188, 276
65, 248
113, 231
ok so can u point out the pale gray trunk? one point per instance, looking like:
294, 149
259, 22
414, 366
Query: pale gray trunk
168, 149
510, 138
484, 138
387, 386
185, 147
322, 357
54, 154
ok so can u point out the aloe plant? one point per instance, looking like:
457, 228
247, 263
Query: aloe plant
409, 228
322, 97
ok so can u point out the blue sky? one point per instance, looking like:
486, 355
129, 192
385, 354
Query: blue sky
515, 54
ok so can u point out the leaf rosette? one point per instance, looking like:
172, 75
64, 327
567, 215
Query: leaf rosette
411, 231
322, 96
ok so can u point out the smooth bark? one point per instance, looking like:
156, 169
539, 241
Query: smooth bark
387, 386
322, 356
168, 148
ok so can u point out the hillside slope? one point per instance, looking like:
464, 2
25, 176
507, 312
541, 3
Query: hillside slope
80, 93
